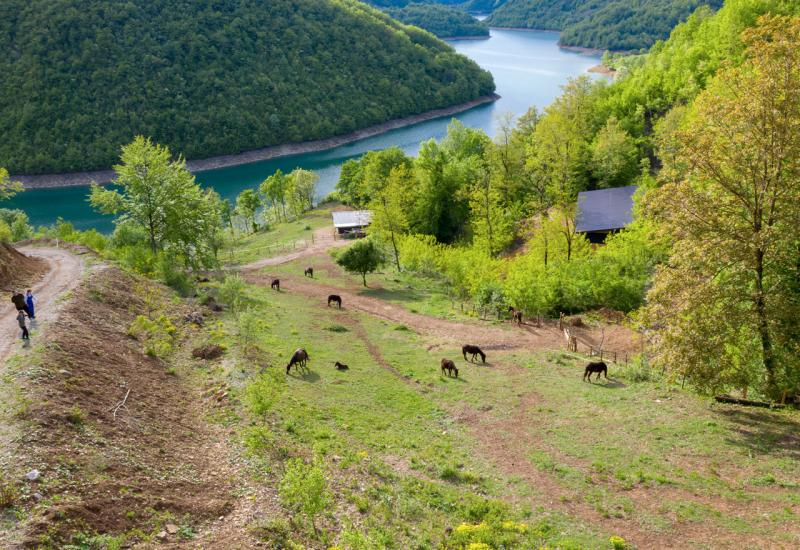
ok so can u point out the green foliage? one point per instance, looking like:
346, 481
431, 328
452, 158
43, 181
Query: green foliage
602, 24
443, 21
6, 235
221, 79
247, 204
8, 188
303, 489
18, 224
157, 334
362, 257
232, 292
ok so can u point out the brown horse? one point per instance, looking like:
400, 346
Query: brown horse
516, 315
597, 367
449, 368
340, 366
299, 359
309, 272
474, 351
276, 284
336, 299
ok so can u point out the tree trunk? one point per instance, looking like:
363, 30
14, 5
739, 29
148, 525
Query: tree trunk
364, 278
763, 326
396, 254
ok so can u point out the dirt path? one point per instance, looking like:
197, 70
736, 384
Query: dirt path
323, 240
64, 274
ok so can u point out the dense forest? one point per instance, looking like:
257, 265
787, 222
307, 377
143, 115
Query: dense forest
620, 25
83, 78
443, 21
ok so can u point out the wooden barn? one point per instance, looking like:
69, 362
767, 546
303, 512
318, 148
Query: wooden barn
604, 211
351, 223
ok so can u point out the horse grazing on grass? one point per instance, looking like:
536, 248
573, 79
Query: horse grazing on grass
276, 284
299, 359
516, 315
309, 272
449, 368
336, 299
474, 351
340, 366
597, 367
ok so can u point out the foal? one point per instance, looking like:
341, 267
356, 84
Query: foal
336, 299
276, 284
340, 366
309, 272
516, 315
449, 368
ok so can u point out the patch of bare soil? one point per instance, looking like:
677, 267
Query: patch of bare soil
118, 438
18, 271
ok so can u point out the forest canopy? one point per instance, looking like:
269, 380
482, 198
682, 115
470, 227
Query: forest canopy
208, 78
619, 25
443, 21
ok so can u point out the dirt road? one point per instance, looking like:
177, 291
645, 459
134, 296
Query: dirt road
64, 274
323, 240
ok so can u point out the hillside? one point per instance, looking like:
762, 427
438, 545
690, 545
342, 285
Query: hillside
208, 79
443, 21
620, 25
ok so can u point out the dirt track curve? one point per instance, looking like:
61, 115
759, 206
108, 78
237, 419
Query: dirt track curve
63, 274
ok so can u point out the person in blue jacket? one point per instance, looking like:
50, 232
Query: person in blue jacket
30, 300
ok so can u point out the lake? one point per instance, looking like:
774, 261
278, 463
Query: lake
528, 67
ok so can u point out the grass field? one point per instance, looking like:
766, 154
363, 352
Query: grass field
519, 452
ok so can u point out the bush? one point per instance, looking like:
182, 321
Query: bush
231, 291
175, 277
303, 489
6, 236
157, 334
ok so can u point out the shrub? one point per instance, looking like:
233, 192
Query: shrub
9, 494
303, 489
157, 334
231, 292
175, 277
6, 235
264, 391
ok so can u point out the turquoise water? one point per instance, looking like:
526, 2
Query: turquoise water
528, 67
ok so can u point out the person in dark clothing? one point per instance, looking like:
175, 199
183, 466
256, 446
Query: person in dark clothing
30, 300
19, 302
22, 325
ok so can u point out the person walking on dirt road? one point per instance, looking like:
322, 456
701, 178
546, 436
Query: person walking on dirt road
29, 301
22, 325
19, 302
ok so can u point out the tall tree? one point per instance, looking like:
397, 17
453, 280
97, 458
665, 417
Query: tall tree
390, 208
8, 188
727, 304
274, 188
302, 190
247, 204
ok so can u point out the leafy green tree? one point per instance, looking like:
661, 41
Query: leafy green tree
161, 196
274, 188
302, 190
727, 306
362, 257
247, 205
8, 188
614, 156
390, 209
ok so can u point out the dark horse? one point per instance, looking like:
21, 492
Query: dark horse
474, 351
336, 299
276, 284
516, 315
340, 366
309, 272
598, 367
299, 359
449, 368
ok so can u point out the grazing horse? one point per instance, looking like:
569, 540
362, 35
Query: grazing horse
309, 272
340, 366
516, 315
336, 299
276, 284
299, 359
598, 367
474, 351
449, 368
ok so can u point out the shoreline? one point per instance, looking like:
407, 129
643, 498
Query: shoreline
78, 179
576, 49
467, 37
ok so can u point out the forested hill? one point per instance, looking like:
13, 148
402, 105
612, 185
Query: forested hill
82, 77
620, 25
442, 21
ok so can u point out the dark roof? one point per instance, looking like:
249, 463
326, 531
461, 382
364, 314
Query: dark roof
605, 209
351, 218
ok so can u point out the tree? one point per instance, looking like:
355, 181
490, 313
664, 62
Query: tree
247, 204
614, 156
8, 188
274, 188
390, 209
161, 196
302, 189
727, 305
361, 257
303, 489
